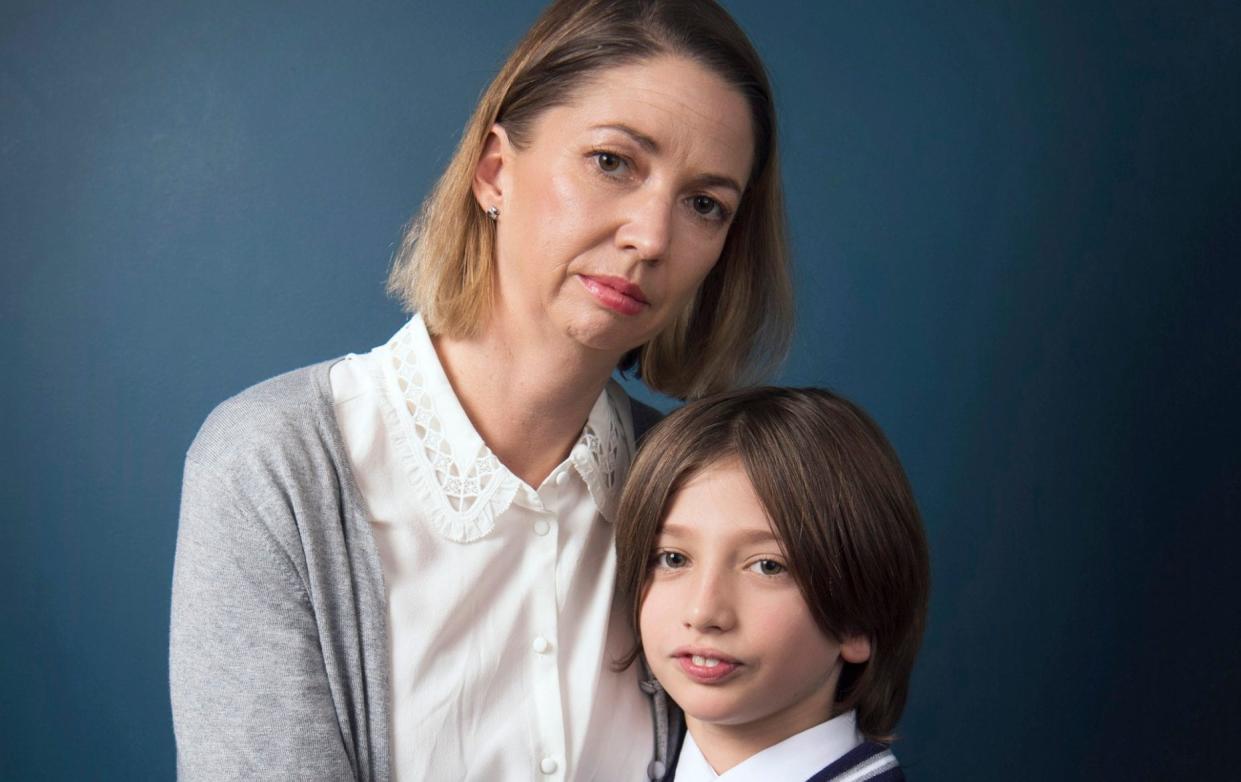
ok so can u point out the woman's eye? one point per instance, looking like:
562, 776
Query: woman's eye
609, 163
708, 207
704, 204
767, 567
670, 559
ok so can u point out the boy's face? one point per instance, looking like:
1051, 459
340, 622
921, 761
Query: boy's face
724, 625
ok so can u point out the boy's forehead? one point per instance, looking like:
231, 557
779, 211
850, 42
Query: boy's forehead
715, 526
718, 499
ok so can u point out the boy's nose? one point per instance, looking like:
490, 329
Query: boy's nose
709, 607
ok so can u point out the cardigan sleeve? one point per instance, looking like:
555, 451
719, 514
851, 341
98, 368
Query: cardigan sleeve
249, 688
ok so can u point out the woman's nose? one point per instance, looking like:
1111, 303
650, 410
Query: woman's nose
647, 227
709, 607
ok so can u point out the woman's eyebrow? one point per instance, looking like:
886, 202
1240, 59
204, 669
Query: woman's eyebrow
715, 180
646, 142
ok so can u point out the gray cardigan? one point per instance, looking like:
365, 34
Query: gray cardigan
279, 655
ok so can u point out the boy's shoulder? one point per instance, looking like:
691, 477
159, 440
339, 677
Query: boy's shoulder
870, 761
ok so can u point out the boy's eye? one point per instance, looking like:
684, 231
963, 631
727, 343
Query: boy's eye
670, 559
767, 567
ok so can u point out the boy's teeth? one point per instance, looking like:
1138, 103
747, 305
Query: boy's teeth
709, 662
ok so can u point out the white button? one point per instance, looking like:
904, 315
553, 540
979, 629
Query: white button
547, 765
541, 645
656, 770
541, 527
562, 478
579, 452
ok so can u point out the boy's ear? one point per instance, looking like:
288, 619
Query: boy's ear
488, 182
855, 649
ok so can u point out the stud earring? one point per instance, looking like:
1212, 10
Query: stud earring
493, 213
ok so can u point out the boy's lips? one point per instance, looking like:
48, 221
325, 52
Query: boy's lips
705, 665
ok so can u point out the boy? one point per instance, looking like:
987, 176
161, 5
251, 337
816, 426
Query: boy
777, 570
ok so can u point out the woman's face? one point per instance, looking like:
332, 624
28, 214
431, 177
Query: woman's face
619, 205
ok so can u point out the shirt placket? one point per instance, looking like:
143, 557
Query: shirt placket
545, 652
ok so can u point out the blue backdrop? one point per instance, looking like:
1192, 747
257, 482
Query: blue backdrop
1016, 233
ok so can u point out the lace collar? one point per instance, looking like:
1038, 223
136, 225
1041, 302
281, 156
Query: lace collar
461, 483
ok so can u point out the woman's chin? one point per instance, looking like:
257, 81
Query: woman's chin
602, 332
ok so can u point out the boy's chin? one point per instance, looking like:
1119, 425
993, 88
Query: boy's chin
711, 709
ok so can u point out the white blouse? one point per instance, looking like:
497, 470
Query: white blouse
501, 621
800, 756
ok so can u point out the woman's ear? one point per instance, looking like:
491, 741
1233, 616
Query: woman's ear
855, 649
489, 171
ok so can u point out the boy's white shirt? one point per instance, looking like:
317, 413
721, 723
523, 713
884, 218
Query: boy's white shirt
800, 756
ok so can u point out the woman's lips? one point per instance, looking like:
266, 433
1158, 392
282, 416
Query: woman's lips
615, 293
705, 669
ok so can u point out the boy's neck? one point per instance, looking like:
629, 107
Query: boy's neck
725, 746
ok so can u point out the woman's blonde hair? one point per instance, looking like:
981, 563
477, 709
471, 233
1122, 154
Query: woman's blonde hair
737, 326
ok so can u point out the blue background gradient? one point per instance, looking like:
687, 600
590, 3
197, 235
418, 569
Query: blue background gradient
1016, 229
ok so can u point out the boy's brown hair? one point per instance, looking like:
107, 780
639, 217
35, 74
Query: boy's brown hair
838, 501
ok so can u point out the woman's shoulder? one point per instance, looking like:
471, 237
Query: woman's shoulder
644, 417
641, 414
277, 418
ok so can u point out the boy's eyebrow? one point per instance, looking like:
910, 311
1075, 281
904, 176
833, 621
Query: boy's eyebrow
751, 535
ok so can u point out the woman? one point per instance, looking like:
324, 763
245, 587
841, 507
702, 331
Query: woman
401, 564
